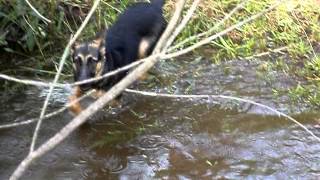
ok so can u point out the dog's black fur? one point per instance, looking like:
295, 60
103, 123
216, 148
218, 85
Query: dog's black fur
132, 36
140, 24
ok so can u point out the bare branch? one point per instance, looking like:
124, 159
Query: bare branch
112, 73
52, 114
226, 97
112, 7
56, 78
38, 83
119, 87
183, 23
107, 97
48, 84
172, 24
25, 81
277, 50
37, 12
45, 84
197, 36
210, 38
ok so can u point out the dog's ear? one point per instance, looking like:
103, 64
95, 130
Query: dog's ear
97, 42
102, 52
73, 47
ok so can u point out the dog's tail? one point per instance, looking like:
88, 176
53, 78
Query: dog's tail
158, 3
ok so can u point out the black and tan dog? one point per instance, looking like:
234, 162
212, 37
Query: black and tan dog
132, 36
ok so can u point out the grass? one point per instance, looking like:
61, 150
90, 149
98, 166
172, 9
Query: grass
294, 24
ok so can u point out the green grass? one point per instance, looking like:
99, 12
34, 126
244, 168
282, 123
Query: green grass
25, 33
294, 25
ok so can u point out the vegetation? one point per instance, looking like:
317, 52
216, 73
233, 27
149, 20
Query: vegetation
294, 25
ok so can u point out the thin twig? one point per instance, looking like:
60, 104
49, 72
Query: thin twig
48, 84
42, 71
111, 94
52, 114
183, 23
26, 81
167, 56
37, 12
197, 36
61, 64
111, 73
172, 24
112, 7
225, 97
277, 50
43, 84
25, 19
211, 38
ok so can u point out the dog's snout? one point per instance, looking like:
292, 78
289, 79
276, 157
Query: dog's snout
84, 75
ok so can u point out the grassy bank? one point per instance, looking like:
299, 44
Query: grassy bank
294, 27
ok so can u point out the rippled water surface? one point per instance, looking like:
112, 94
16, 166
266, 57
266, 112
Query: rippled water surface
162, 138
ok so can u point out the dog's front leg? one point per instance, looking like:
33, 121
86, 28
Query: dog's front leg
75, 108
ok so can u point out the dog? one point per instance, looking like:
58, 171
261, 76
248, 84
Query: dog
133, 36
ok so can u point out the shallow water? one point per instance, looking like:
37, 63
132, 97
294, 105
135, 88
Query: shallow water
162, 138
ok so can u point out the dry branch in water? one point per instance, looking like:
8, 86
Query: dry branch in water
25, 122
46, 84
225, 97
56, 78
111, 94
159, 53
114, 72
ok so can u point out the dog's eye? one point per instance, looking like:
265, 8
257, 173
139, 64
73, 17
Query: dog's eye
92, 59
76, 59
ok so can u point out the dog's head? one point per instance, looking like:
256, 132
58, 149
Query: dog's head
88, 61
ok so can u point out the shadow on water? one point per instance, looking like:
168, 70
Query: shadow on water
163, 138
